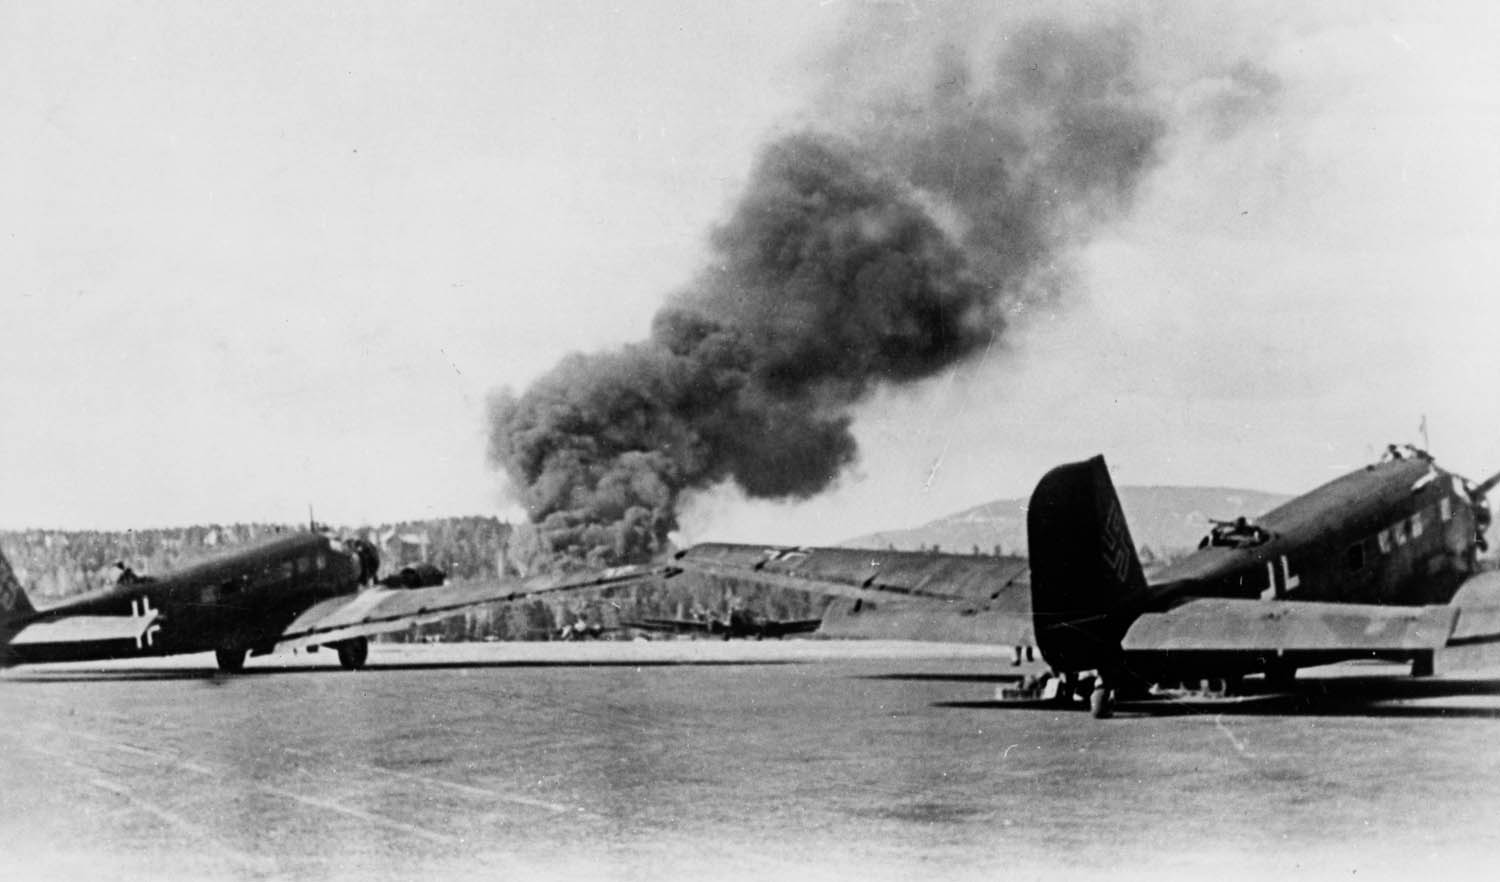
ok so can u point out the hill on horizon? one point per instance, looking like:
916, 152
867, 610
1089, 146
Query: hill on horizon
1164, 519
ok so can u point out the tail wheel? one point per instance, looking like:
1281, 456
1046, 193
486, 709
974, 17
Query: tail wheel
353, 653
231, 661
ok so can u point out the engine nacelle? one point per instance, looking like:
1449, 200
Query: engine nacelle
420, 575
368, 557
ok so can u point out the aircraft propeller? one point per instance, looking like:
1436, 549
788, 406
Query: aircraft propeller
1486, 486
369, 559
1478, 498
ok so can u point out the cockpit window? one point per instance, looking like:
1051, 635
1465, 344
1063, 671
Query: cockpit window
1397, 452
1238, 533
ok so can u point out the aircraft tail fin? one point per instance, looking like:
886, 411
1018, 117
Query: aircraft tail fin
13, 601
1086, 580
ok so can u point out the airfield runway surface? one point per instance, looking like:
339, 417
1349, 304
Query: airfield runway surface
805, 759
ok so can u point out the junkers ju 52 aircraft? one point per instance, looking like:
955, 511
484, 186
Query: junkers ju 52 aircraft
303, 590
736, 622
1378, 564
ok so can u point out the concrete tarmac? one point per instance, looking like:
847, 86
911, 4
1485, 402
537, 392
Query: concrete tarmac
708, 760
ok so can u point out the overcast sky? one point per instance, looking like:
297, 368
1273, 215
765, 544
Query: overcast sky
255, 258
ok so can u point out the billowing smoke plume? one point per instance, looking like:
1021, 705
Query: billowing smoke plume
881, 247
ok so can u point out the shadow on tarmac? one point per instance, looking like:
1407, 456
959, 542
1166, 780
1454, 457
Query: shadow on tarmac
949, 678
1348, 696
210, 674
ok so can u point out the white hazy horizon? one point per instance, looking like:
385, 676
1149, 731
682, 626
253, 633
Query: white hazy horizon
261, 258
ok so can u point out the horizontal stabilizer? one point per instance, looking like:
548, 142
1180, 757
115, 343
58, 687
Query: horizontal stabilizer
85, 629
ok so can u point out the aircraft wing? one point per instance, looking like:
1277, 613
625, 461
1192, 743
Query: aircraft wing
919, 595
1465, 632
381, 610
860, 573
1286, 627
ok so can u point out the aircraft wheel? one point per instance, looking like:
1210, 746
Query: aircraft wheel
1067, 689
1101, 702
231, 661
353, 653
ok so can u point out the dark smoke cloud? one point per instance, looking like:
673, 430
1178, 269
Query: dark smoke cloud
881, 247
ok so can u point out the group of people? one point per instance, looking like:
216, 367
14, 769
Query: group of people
1238, 533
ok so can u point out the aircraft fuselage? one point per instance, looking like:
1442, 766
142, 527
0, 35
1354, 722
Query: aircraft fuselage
1400, 532
238, 601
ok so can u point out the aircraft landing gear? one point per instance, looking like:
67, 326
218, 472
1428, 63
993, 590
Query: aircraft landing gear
1067, 688
231, 660
353, 652
1101, 701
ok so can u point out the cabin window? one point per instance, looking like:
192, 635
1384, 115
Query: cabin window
1399, 533
285, 570
1354, 558
1416, 525
321, 562
304, 565
1384, 539
1445, 509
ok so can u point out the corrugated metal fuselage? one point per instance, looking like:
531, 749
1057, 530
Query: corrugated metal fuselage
1401, 532
241, 599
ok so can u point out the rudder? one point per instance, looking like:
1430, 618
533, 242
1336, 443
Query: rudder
13, 601
1086, 580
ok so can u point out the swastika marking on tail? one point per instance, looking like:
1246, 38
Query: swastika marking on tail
1116, 547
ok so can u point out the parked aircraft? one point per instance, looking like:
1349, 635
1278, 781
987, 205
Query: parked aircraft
583, 629
303, 590
737, 623
1378, 564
